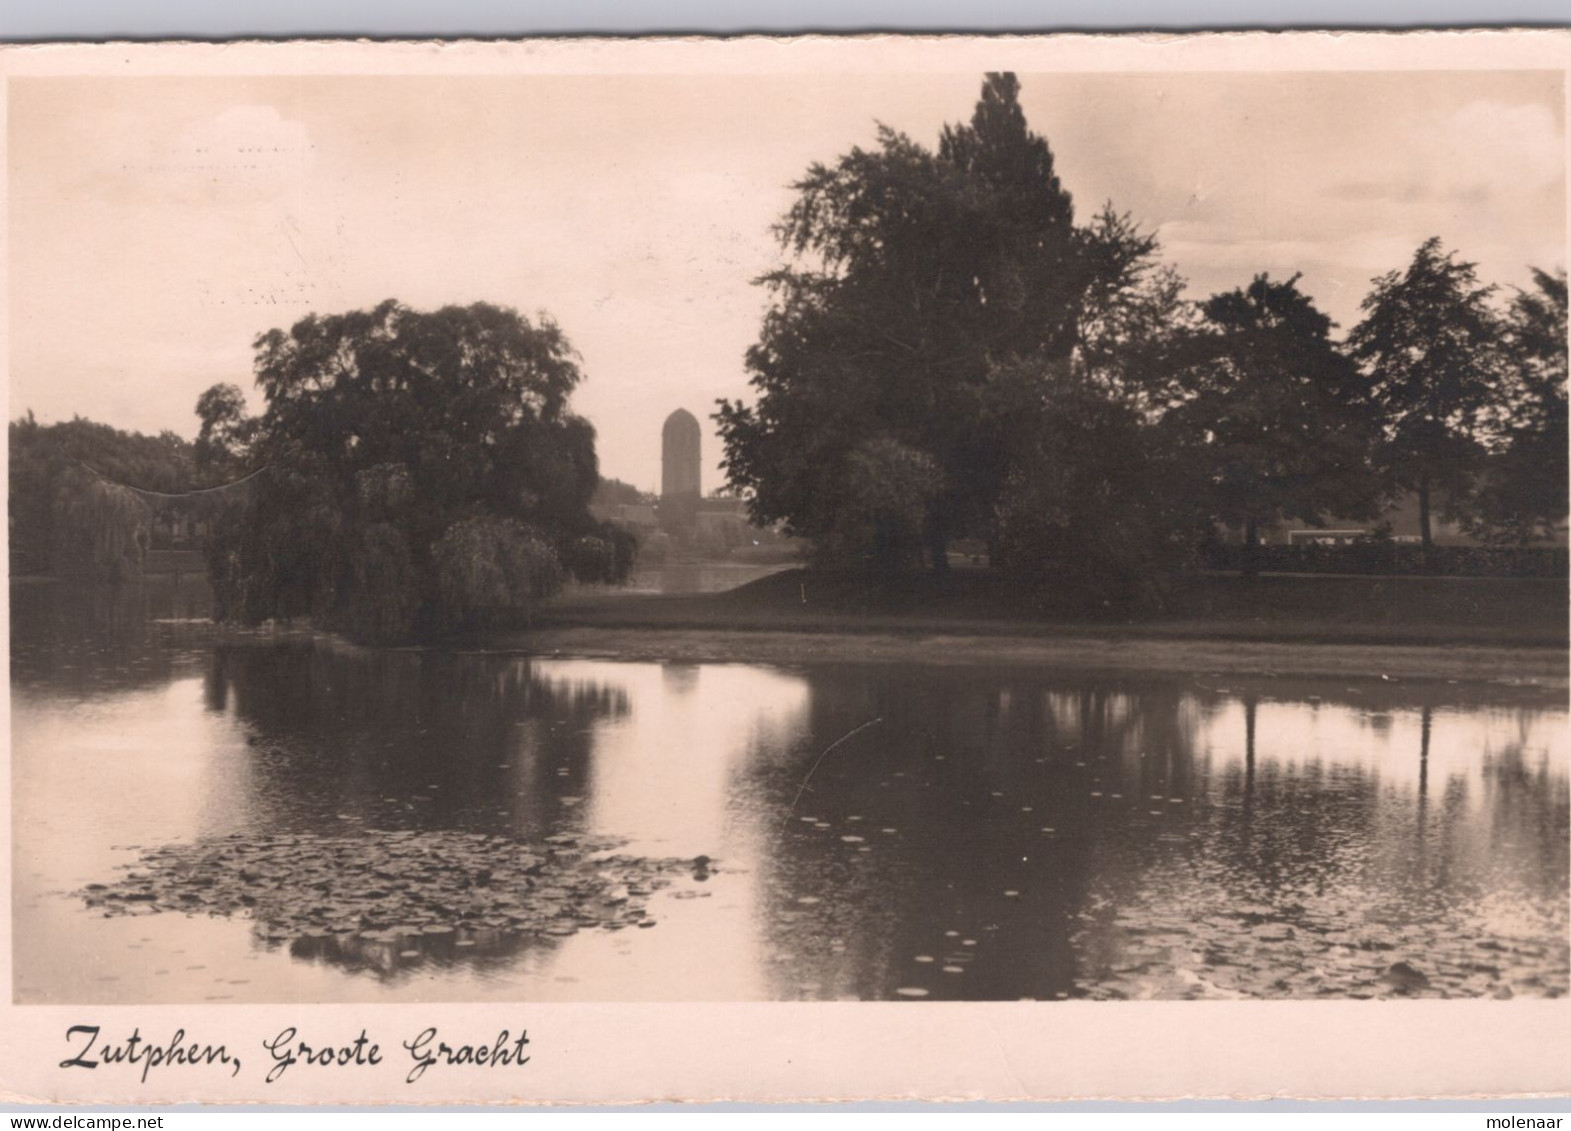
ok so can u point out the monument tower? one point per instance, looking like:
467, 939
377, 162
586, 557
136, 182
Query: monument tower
679, 468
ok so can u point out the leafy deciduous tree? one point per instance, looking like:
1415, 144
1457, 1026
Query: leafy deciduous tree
1522, 495
1430, 344
916, 277
1097, 510
1274, 415
1134, 321
227, 432
84, 496
422, 469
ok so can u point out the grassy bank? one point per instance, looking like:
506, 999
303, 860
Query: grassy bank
1282, 609
1528, 669
1433, 628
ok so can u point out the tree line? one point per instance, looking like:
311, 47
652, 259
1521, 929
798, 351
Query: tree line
83, 496
948, 354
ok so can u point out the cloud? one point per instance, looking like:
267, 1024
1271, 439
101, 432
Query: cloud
1522, 141
1485, 152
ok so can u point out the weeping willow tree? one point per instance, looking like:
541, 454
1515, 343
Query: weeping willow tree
485, 565
100, 529
83, 498
423, 473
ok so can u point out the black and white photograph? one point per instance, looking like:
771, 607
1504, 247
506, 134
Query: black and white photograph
956, 533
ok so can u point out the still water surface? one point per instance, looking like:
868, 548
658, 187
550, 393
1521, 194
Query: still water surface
987, 834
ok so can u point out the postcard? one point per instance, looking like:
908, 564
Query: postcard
775, 569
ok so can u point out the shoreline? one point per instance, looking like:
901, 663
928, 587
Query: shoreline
1543, 669
1326, 629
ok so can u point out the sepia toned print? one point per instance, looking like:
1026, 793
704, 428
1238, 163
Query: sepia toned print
860, 524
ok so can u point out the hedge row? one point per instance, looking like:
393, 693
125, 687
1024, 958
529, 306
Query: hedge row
1381, 557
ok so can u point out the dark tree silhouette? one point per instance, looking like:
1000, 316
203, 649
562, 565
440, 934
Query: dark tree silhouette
227, 432
1522, 495
914, 276
83, 496
1430, 344
1275, 415
422, 470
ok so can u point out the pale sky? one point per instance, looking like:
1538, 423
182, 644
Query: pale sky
158, 225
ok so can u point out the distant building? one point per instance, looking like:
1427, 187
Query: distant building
680, 457
178, 530
680, 461
684, 526
1400, 520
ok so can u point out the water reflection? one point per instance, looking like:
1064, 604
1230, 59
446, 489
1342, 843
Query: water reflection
878, 831
336, 734
85, 640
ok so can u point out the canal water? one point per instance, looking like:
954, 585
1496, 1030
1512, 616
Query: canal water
823, 832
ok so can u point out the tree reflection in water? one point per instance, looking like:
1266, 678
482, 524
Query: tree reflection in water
343, 736
93, 640
999, 833
1134, 841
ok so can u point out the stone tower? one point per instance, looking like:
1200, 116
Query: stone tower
679, 457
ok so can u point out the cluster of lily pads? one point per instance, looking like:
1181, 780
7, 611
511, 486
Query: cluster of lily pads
382, 886
1277, 952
